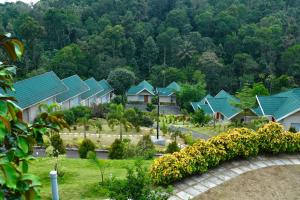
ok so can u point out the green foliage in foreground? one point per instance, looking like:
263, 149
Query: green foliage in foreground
234, 144
82, 177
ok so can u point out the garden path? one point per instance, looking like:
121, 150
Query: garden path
198, 184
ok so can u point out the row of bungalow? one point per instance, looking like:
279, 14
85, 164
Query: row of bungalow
144, 92
283, 108
70, 92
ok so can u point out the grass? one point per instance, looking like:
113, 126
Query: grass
209, 130
81, 178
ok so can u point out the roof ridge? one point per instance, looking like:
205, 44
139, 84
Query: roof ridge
36, 76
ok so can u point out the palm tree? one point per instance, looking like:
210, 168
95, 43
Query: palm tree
85, 122
98, 125
116, 117
187, 50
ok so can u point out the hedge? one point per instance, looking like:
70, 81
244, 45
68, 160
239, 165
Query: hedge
233, 144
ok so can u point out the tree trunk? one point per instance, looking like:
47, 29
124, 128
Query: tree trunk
121, 133
165, 55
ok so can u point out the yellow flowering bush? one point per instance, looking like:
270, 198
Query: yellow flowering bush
233, 144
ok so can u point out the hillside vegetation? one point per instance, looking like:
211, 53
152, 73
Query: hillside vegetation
231, 42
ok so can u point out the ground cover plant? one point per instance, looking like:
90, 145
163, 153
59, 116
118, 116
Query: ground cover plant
233, 144
82, 177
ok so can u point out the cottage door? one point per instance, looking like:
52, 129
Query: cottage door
145, 99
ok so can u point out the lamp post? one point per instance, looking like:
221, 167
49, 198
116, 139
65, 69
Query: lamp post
157, 121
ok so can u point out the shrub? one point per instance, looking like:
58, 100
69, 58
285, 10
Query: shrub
150, 107
81, 111
188, 138
100, 110
57, 144
86, 146
200, 118
69, 117
172, 147
129, 150
146, 121
116, 150
164, 128
136, 186
119, 99
292, 129
145, 147
235, 143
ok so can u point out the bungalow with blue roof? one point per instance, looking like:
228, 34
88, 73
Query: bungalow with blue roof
222, 107
41, 89
141, 93
283, 108
168, 94
144, 91
71, 98
107, 94
90, 97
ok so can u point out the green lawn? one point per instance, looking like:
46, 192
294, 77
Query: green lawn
81, 177
209, 130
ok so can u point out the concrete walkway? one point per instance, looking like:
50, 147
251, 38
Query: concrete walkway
196, 185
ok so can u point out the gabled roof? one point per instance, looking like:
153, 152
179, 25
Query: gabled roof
106, 86
174, 86
280, 105
144, 85
165, 91
224, 106
206, 108
224, 94
36, 89
95, 88
204, 98
76, 87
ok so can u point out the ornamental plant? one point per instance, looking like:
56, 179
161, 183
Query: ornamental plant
16, 135
233, 144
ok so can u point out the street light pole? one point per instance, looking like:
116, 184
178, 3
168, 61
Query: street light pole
157, 121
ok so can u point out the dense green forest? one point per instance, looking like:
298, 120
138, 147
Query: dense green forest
228, 43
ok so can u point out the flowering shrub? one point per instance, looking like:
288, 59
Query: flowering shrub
233, 144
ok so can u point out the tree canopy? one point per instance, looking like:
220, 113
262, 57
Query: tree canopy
233, 43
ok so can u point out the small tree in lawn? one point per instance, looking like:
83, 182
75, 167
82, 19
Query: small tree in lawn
101, 164
200, 118
85, 122
117, 117
98, 126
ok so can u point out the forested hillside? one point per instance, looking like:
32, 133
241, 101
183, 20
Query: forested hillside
231, 42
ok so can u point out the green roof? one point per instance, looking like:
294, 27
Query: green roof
204, 98
174, 86
280, 105
106, 86
36, 89
76, 87
144, 85
165, 91
257, 111
224, 106
95, 88
224, 94
204, 107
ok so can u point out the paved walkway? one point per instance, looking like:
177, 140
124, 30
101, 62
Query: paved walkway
196, 185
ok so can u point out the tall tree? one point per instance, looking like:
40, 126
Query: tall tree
121, 79
150, 53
